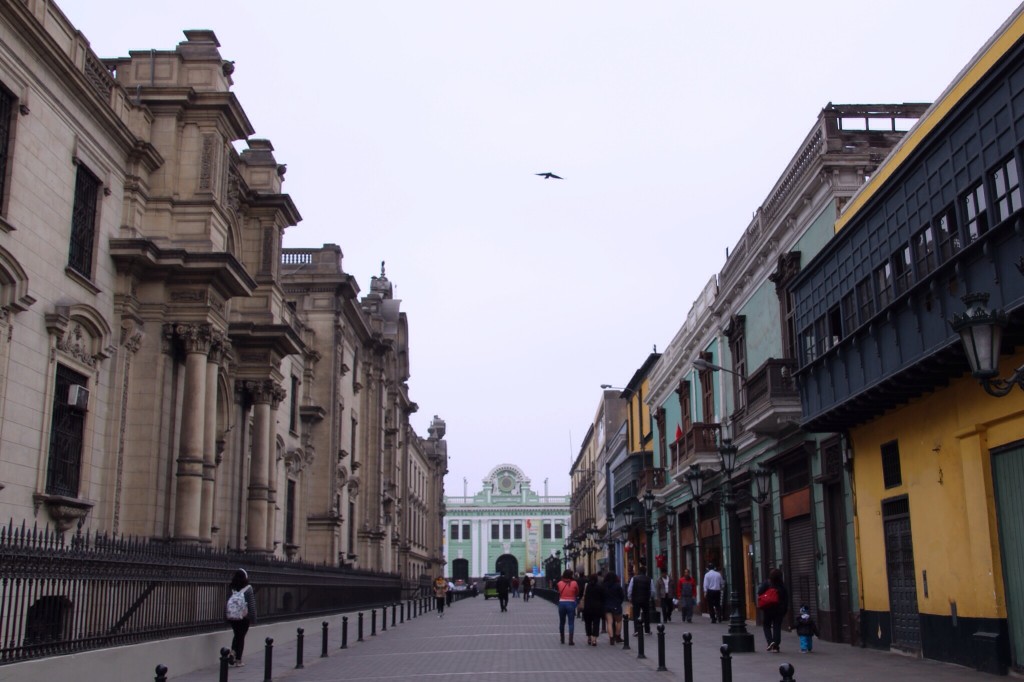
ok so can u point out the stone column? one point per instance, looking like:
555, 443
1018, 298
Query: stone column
188, 495
256, 537
277, 395
217, 350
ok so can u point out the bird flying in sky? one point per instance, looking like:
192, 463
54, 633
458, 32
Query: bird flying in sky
548, 176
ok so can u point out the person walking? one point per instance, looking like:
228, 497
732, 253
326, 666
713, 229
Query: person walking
527, 585
502, 585
713, 583
639, 595
568, 592
240, 612
613, 598
687, 595
665, 592
773, 600
593, 608
450, 594
440, 594
807, 630
515, 586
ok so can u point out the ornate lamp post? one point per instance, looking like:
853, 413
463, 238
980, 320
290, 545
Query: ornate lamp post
738, 639
648, 500
611, 541
670, 520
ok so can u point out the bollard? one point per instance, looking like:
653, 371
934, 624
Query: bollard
360, 627
393, 607
687, 657
373, 622
161, 673
726, 663
625, 633
661, 648
401, 613
639, 627
268, 658
323, 643
298, 648
384, 618
344, 632
225, 661
786, 670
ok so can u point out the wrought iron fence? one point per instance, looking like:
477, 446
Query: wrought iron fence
61, 594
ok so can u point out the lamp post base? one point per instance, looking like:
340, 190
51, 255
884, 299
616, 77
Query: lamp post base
739, 642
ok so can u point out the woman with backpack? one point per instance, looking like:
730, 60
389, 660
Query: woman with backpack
773, 600
240, 612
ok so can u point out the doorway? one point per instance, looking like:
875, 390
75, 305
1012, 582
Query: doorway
1007, 479
899, 565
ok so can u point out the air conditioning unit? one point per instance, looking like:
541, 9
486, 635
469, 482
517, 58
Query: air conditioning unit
78, 397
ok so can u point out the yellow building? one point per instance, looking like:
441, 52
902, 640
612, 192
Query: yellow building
937, 454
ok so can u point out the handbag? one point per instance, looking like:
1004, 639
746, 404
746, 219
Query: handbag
768, 599
583, 600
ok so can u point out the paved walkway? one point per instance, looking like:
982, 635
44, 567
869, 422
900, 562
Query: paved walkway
476, 641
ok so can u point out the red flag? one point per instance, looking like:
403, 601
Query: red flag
679, 432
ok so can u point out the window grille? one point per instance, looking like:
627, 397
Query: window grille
65, 462
83, 221
6, 114
891, 472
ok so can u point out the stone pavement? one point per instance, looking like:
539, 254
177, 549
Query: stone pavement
476, 641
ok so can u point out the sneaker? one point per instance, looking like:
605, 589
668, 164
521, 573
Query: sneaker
239, 664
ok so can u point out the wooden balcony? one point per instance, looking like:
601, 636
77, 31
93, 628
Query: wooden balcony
651, 479
773, 401
698, 445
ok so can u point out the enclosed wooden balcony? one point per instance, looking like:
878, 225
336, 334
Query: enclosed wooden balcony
773, 401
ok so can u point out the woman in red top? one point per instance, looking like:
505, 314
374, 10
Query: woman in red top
568, 595
687, 591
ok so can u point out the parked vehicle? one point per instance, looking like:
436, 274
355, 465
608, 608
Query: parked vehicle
491, 585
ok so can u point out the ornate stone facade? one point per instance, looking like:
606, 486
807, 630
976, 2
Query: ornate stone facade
242, 404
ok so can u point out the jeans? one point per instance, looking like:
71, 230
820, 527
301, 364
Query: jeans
771, 621
642, 615
566, 612
239, 628
714, 604
439, 602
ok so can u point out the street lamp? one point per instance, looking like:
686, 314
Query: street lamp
610, 538
670, 520
738, 639
648, 500
981, 333
703, 365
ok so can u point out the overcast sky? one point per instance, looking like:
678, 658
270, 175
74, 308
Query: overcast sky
413, 130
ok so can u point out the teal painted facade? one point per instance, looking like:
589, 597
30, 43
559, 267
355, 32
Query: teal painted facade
505, 526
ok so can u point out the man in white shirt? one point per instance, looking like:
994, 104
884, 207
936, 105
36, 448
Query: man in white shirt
713, 584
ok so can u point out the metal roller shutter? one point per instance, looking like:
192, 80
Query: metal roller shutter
799, 573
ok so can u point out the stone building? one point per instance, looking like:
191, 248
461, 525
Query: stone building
166, 370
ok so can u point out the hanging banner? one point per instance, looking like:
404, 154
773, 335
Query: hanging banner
533, 557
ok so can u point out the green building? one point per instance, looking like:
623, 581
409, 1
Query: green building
504, 527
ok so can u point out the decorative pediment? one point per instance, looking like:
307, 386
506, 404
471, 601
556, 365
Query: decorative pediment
297, 459
80, 333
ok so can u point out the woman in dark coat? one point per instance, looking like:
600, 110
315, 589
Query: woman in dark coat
772, 615
614, 595
239, 627
593, 608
